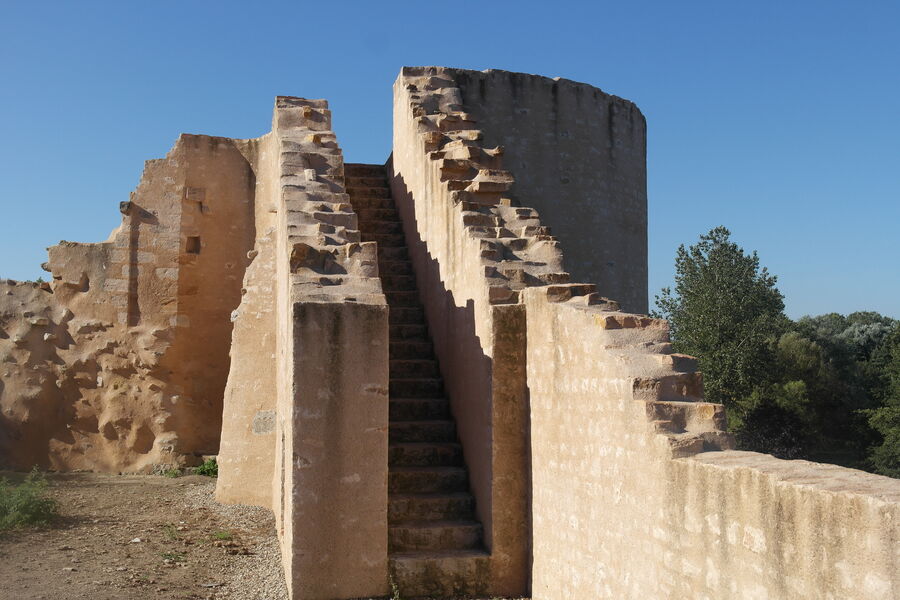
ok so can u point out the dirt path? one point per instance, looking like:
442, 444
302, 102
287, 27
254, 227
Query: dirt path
124, 537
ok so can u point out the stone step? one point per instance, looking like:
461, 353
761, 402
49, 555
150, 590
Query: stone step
417, 388
409, 536
357, 180
412, 315
380, 227
398, 283
362, 202
393, 255
431, 507
395, 267
364, 170
421, 431
427, 480
425, 454
419, 409
402, 298
408, 332
385, 240
408, 349
367, 215
398, 288
446, 573
359, 192
688, 416
414, 368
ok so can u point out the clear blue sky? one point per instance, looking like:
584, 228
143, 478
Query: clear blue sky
779, 120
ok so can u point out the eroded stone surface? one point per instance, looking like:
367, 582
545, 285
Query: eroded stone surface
118, 364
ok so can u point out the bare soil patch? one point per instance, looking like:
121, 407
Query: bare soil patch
123, 537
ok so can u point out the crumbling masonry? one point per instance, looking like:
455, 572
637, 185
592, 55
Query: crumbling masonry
394, 359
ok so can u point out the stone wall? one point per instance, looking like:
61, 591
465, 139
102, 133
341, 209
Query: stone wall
118, 364
630, 501
635, 489
247, 453
217, 232
332, 414
579, 157
306, 410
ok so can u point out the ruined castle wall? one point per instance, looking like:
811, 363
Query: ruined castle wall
579, 157
216, 233
132, 278
103, 371
629, 501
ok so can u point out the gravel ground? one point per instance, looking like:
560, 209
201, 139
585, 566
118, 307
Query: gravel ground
254, 576
142, 537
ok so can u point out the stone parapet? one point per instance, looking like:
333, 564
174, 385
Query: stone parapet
331, 417
637, 493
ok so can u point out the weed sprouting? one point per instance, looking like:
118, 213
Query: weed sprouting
26, 503
395, 590
173, 556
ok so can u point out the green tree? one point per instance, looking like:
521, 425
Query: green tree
824, 387
885, 419
845, 386
725, 310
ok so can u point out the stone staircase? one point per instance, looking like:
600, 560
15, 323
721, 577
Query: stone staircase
434, 541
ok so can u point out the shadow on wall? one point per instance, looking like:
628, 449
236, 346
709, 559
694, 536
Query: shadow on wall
138, 216
481, 353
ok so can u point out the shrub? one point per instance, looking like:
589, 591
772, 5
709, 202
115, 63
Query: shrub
27, 503
209, 468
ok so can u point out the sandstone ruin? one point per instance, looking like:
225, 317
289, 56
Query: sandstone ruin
396, 360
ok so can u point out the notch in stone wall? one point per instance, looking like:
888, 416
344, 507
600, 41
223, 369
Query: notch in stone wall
192, 245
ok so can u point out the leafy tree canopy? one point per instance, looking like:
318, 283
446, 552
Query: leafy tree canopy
885, 419
824, 387
725, 310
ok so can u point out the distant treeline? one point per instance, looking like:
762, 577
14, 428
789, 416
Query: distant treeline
824, 388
